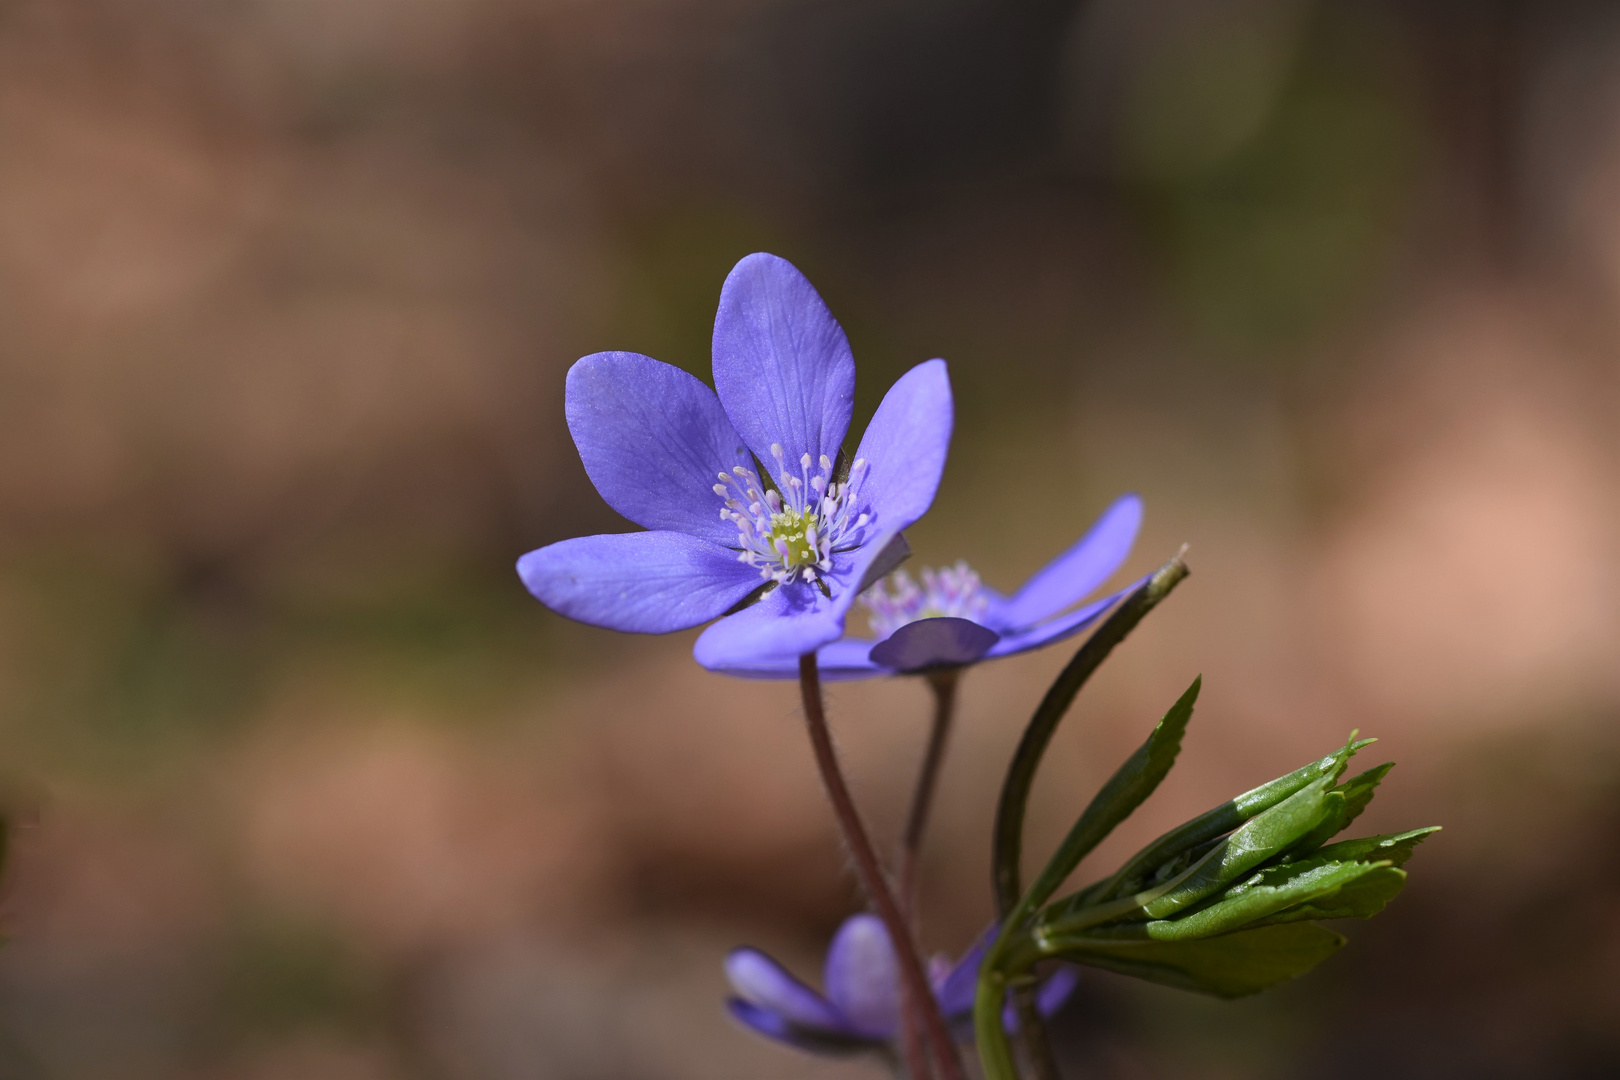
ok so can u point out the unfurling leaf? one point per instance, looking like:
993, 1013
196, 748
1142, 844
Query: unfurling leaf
1213, 823
1229, 966
1394, 848
1361, 898
1353, 797
1259, 839
1227, 903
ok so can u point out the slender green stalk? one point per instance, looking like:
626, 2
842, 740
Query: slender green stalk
995, 1052
1012, 905
914, 979
1014, 802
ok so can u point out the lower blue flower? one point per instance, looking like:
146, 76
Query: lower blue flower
859, 1009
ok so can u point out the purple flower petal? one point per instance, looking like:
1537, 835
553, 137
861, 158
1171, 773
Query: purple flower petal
814, 1041
653, 440
641, 583
846, 658
763, 982
1056, 989
956, 992
839, 661
788, 621
1049, 996
905, 445
1075, 573
1065, 625
863, 977
782, 364
933, 643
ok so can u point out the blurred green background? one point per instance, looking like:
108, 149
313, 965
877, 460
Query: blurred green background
314, 790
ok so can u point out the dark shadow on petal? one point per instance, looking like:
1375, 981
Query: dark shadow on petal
927, 643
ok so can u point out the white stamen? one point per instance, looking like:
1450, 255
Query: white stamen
790, 530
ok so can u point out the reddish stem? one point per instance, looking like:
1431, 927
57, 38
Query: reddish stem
914, 979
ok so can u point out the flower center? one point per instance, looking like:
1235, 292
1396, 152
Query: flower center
952, 591
792, 530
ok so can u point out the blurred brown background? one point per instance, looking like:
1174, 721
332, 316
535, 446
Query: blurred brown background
287, 291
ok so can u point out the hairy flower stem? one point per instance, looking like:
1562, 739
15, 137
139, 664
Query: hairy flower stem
1013, 906
914, 980
943, 683
912, 1051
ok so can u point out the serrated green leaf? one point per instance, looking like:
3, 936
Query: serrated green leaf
1228, 966
1361, 898
1222, 819
1131, 783
1228, 860
1334, 808
1267, 893
1259, 839
1358, 792
1394, 848
1354, 795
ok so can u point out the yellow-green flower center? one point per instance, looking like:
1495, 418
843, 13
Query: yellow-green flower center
792, 536
791, 531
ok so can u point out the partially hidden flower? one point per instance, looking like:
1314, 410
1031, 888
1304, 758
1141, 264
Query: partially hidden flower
744, 490
951, 618
859, 1008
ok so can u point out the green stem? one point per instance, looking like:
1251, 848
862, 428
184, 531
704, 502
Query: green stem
1013, 906
1014, 802
913, 977
995, 1052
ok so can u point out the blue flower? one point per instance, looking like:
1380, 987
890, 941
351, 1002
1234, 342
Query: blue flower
744, 487
952, 619
860, 1009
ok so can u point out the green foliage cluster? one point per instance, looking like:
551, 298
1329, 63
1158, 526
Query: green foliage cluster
1228, 903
